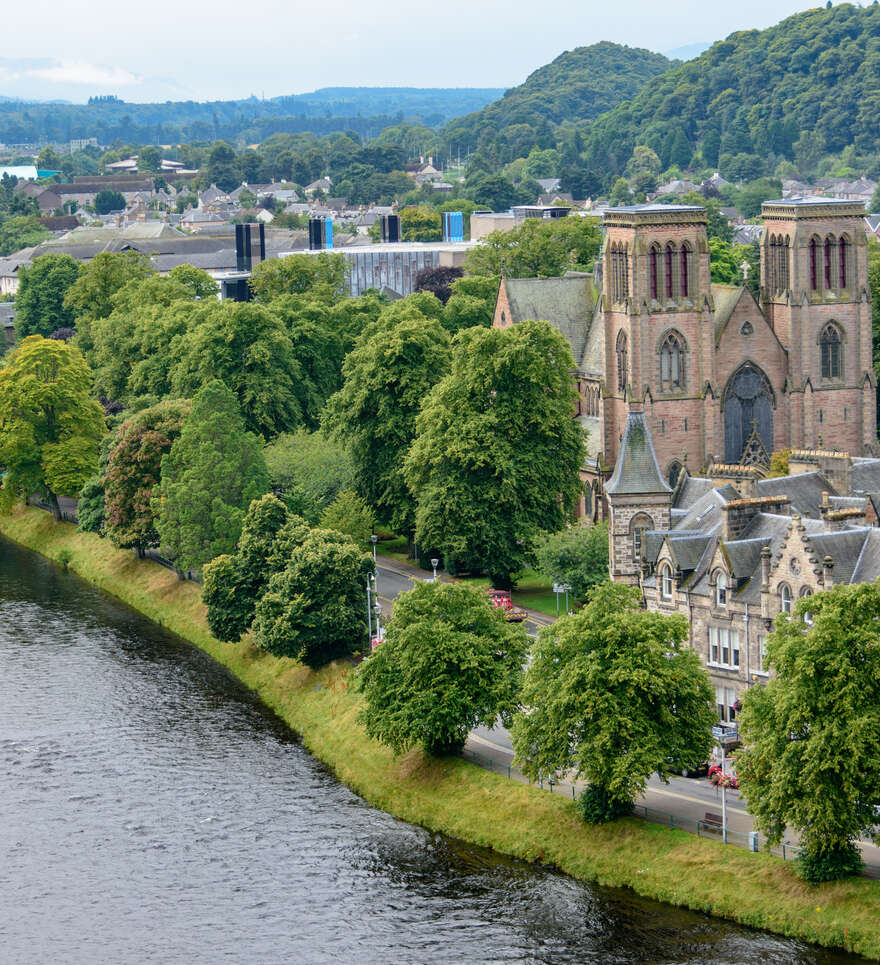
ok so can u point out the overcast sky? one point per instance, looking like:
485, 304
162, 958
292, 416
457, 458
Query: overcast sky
200, 50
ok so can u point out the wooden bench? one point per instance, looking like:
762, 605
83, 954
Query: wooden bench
713, 821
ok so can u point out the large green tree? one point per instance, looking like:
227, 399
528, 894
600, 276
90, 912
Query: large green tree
577, 556
387, 376
297, 274
613, 694
810, 760
497, 452
537, 248
39, 301
209, 477
50, 426
448, 662
314, 609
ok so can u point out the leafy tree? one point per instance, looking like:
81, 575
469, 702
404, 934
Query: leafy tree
198, 282
349, 514
107, 201
750, 197
438, 281
296, 274
577, 556
613, 694
246, 346
149, 159
50, 427
874, 206
212, 472
90, 506
537, 248
22, 232
471, 303
313, 610
311, 466
496, 192
448, 663
620, 193
386, 378
779, 463
497, 453
810, 760
419, 224
233, 583
39, 302
133, 471
222, 168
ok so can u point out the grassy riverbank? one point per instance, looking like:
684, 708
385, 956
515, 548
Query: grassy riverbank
460, 799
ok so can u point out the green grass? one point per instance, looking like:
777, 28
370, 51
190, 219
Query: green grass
457, 798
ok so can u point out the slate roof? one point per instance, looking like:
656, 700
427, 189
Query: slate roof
636, 471
567, 303
867, 569
726, 298
865, 475
844, 547
693, 489
804, 490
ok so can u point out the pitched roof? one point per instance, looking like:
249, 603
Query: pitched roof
636, 471
804, 490
865, 475
567, 303
844, 547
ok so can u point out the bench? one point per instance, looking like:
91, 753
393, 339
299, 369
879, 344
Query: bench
713, 821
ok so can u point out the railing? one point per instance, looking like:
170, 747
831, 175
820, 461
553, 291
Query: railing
749, 840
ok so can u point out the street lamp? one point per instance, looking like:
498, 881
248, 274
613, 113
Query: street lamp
369, 613
377, 609
434, 563
374, 539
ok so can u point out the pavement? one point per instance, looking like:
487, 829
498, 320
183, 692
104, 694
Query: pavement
683, 799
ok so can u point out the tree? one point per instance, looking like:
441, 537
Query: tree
449, 662
149, 159
245, 345
23, 232
233, 583
133, 471
39, 302
313, 610
209, 477
537, 248
349, 514
472, 303
620, 193
613, 694
199, 283
50, 427
497, 454
577, 556
438, 281
419, 224
810, 760
874, 206
107, 201
222, 168
297, 274
386, 378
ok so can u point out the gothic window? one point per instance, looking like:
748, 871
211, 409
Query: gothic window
720, 589
843, 252
772, 263
666, 582
622, 360
784, 262
830, 257
672, 363
747, 407
653, 268
814, 276
670, 266
785, 598
624, 271
830, 351
674, 472
638, 527
686, 260
747, 329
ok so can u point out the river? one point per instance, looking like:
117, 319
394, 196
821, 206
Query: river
152, 810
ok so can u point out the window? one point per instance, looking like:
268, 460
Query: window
653, 259
814, 280
830, 352
666, 582
725, 701
843, 254
672, 363
808, 617
724, 647
674, 470
670, 263
762, 656
747, 329
622, 360
638, 527
785, 598
830, 257
721, 590
685, 269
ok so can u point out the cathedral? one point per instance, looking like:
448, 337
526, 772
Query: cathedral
721, 378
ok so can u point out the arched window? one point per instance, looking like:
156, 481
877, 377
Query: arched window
638, 527
666, 582
653, 268
624, 272
830, 351
622, 360
670, 266
808, 617
830, 256
673, 472
843, 252
814, 276
772, 263
672, 363
685, 269
785, 598
783, 273
721, 589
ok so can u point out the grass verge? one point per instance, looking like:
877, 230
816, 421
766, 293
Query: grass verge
459, 799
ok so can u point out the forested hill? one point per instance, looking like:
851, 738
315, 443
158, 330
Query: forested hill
363, 109
807, 87
578, 85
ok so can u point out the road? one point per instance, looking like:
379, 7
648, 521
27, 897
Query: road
685, 799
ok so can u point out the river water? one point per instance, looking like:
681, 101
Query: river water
151, 810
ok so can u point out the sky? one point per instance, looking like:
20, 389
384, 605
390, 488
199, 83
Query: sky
218, 49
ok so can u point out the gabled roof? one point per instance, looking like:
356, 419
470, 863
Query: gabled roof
844, 547
804, 490
867, 568
567, 303
693, 488
865, 475
637, 472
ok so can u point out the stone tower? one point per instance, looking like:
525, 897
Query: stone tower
815, 294
638, 497
659, 339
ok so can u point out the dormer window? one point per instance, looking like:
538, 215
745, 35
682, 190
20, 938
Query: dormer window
666, 582
721, 590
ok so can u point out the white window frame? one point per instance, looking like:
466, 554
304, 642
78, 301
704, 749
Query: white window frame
666, 588
761, 669
724, 651
721, 590
785, 598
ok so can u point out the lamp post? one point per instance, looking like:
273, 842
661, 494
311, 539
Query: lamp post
434, 563
369, 614
377, 609
374, 539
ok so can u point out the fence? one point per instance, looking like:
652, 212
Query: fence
750, 840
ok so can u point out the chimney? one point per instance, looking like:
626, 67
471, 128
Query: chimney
765, 585
738, 513
827, 567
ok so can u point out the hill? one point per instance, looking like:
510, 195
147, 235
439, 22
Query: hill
805, 88
578, 85
365, 110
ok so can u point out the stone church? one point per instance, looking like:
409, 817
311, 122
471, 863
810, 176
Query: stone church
720, 377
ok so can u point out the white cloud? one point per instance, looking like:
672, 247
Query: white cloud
80, 72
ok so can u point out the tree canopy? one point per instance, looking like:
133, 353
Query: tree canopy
39, 301
537, 248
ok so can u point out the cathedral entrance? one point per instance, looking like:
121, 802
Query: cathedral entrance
748, 417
